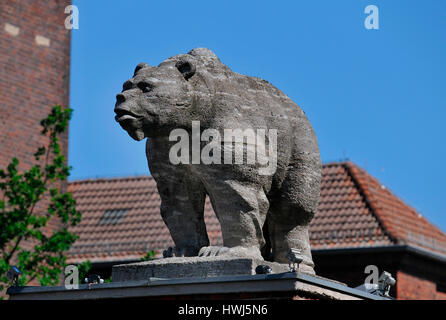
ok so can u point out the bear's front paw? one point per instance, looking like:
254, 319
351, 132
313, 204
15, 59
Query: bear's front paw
212, 251
173, 252
239, 251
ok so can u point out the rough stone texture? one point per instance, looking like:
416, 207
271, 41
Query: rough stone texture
260, 215
193, 267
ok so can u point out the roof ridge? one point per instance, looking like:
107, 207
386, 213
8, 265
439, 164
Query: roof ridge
379, 212
95, 180
348, 166
149, 176
334, 163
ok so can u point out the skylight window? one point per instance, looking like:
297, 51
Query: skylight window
112, 217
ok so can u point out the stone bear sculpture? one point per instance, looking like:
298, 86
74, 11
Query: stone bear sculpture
261, 215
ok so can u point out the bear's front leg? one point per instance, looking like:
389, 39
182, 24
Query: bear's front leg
182, 201
182, 209
241, 208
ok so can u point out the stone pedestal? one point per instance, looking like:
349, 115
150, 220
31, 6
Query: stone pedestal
191, 267
282, 286
200, 278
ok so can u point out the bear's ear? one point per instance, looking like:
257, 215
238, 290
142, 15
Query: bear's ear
140, 66
186, 68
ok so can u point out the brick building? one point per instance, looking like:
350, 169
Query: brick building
359, 223
34, 76
34, 73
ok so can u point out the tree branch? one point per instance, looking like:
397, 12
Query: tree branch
45, 180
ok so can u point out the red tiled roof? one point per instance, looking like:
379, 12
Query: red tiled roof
140, 230
343, 218
355, 210
401, 221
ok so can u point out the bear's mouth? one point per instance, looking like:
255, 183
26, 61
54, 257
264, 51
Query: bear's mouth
122, 115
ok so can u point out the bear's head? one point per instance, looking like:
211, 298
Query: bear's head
158, 99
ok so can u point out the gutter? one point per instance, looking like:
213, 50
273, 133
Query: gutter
418, 251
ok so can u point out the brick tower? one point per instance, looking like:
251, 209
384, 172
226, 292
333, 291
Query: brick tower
34, 75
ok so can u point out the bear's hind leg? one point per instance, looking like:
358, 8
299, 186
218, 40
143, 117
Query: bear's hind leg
292, 210
286, 235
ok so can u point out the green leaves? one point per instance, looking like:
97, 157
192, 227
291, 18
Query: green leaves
83, 268
24, 216
148, 256
57, 121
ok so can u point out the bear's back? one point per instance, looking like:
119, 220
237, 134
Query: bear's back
253, 94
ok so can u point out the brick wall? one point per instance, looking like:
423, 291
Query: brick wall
34, 72
34, 75
409, 287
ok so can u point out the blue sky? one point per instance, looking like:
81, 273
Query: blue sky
376, 97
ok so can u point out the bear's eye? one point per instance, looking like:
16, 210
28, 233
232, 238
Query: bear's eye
145, 86
127, 85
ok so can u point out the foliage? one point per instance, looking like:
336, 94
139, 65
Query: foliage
83, 268
24, 216
148, 256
